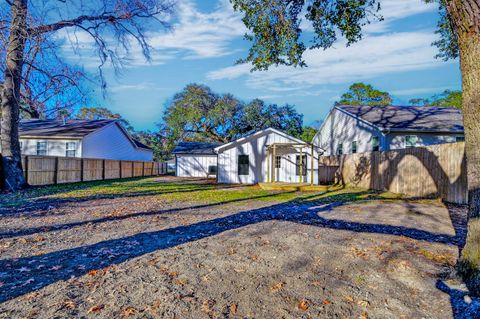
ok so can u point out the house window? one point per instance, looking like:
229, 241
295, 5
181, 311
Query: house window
212, 170
459, 139
375, 144
243, 165
354, 147
71, 149
278, 161
304, 165
340, 149
411, 141
41, 148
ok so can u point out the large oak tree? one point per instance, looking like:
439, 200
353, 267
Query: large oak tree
275, 33
111, 25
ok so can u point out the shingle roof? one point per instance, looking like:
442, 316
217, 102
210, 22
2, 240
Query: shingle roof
72, 128
141, 145
204, 148
409, 118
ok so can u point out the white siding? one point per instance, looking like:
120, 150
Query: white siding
194, 165
340, 128
256, 148
55, 147
110, 142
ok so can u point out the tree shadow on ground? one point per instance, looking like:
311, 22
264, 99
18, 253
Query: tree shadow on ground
463, 307
34, 198
27, 274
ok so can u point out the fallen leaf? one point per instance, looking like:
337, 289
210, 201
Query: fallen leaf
92, 272
95, 309
303, 304
363, 303
364, 315
326, 302
277, 287
233, 308
70, 304
129, 311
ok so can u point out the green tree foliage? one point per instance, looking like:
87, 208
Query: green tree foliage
199, 114
308, 134
275, 30
97, 113
446, 98
364, 94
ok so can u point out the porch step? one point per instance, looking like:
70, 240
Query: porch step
295, 187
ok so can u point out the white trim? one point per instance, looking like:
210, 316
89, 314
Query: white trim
244, 139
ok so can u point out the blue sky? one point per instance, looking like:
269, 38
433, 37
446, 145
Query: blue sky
206, 39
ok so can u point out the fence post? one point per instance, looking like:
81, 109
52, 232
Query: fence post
103, 169
120, 164
133, 169
143, 168
153, 164
25, 169
81, 170
55, 176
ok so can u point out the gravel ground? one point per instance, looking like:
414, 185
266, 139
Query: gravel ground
145, 256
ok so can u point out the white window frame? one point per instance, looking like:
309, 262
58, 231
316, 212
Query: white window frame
410, 136
67, 149
46, 148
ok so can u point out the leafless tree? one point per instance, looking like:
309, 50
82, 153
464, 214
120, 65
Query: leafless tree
27, 28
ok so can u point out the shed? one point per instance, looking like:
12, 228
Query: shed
195, 159
267, 156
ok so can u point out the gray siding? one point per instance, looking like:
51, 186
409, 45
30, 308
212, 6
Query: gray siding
397, 140
340, 128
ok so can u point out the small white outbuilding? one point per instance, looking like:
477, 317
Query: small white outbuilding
195, 159
267, 156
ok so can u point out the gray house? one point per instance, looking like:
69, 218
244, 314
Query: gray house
357, 129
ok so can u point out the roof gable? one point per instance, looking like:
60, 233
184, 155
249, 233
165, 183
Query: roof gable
55, 128
200, 148
256, 134
408, 118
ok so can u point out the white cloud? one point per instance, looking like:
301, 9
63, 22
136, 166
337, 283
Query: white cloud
424, 90
135, 87
194, 35
373, 56
201, 35
392, 10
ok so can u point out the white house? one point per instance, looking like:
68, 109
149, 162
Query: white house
265, 156
104, 139
357, 129
195, 159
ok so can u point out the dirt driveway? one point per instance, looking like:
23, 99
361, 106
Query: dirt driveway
170, 248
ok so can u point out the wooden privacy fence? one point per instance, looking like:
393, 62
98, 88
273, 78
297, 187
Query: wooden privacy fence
47, 170
436, 170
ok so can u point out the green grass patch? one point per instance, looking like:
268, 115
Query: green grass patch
187, 191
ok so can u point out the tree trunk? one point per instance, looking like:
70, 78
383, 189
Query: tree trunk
10, 97
465, 16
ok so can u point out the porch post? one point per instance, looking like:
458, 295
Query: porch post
312, 167
273, 164
268, 165
301, 164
